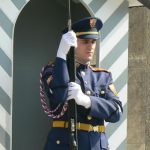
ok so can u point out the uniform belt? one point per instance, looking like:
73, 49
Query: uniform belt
80, 126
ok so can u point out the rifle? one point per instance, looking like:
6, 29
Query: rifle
72, 110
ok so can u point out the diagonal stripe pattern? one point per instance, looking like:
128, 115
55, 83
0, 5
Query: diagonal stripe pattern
114, 57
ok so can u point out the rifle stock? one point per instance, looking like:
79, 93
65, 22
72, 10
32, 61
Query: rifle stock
72, 110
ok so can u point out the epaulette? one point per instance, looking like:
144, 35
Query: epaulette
98, 69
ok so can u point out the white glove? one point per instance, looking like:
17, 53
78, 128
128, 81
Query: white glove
75, 92
68, 39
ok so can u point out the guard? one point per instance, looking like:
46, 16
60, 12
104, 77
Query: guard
93, 91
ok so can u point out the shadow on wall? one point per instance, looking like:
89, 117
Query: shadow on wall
36, 39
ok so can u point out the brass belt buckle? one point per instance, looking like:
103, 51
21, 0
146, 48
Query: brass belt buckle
95, 128
90, 128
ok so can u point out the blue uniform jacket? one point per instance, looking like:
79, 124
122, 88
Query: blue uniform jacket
105, 104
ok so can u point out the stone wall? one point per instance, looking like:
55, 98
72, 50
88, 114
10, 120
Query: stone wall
139, 79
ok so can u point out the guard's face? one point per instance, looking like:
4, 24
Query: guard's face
85, 50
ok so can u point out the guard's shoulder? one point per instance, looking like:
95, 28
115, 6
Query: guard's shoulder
95, 69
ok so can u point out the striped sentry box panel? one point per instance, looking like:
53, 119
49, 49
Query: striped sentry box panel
113, 56
9, 11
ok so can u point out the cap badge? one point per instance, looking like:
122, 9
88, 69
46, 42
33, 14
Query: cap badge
92, 22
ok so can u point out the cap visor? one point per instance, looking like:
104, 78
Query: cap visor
89, 36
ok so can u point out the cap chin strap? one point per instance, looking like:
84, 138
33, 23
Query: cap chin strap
84, 33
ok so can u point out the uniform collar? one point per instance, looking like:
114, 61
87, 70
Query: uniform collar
81, 66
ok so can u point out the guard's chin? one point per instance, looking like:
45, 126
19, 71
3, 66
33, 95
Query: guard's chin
89, 58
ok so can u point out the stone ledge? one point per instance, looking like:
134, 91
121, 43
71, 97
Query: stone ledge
133, 3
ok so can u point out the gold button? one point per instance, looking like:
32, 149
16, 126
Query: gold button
88, 92
58, 142
85, 82
82, 73
89, 117
102, 92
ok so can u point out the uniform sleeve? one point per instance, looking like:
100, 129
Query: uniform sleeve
56, 79
107, 107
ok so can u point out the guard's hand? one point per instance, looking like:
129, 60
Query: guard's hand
68, 39
75, 92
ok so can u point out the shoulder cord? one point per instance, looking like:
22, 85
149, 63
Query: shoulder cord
45, 105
